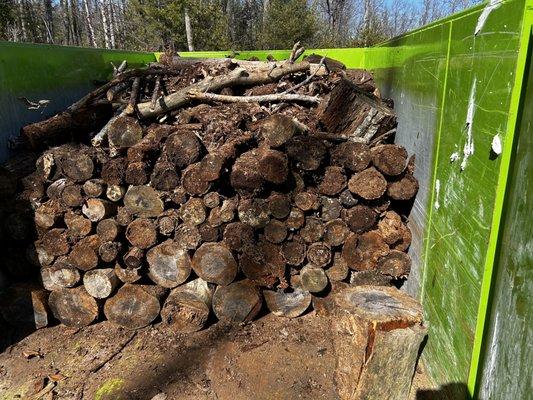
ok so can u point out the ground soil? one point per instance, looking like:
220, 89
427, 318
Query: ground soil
271, 358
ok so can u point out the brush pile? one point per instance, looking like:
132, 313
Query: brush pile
196, 186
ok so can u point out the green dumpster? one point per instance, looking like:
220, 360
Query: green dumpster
463, 91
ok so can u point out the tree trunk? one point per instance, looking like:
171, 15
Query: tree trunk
105, 25
188, 31
90, 28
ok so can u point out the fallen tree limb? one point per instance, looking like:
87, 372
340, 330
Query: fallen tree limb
253, 99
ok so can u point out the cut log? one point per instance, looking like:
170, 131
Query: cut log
347, 199
238, 235
277, 129
169, 264
313, 230
313, 279
84, 254
331, 208
109, 251
214, 263
114, 171
275, 231
294, 251
368, 184
93, 187
48, 213
127, 275
166, 223
133, 257
209, 233
73, 307
193, 212
187, 307
143, 201
333, 182
352, 114
390, 227
396, 264
123, 217
273, 166
193, 181
137, 173
404, 243
355, 157
188, 236
98, 209
71, 196
288, 305
319, 254
360, 218
108, 230
376, 327
389, 159
405, 188
134, 306
55, 242
371, 277
336, 232
279, 205
77, 166
60, 275
306, 201
142, 233
77, 225
362, 252
115, 192
307, 151
164, 176
254, 212
339, 270
182, 149
212, 200
100, 283
124, 132
245, 173
296, 219
238, 302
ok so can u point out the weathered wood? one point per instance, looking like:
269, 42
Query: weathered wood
84, 254
275, 231
273, 165
182, 149
73, 307
59, 275
55, 242
296, 219
370, 277
368, 184
319, 254
238, 235
360, 218
339, 270
193, 181
108, 230
376, 327
143, 201
347, 199
109, 251
238, 302
263, 263
113, 171
313, 279
331, 208
164, 176
362, 252
169, 264
134, 306
127, 275
245, 173
212, 200
307, 201
307, 151
405, 188
115, 192
142, 233
98, 209
93, 187
193, 212
100, 283
209, 233
396, 264
279, 205
137, 173
313, 230
389, 159
277, 129
336, 232
390, 227
48, 213
287, 304
77, 225
253, 212
71, 196
25, 305
123, 217
187, 307
77, 166
214, 263
188, 236
333, 181
294, 251
355, 157
123, 132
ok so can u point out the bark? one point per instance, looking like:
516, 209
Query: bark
134, 306
238, 302
73, 307
113, 171
214, 263
88, 21
188, 30
100, 283
169, 264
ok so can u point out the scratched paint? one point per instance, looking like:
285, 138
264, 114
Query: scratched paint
496, 145
468, 148
437, 194
489, 8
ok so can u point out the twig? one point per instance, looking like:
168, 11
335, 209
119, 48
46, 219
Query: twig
382, 137
47, 389
253, 99
101, 364
118, 88
155, 94
308, 79
130, 108
296, 52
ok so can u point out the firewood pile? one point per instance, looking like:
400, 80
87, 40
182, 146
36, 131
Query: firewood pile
197, 187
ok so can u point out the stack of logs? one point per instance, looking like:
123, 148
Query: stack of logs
205, 212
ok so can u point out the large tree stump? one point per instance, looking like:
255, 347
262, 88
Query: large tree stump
187, 307
73, 307
134, 306
377, 336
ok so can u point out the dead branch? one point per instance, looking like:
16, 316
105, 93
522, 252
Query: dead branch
253, 99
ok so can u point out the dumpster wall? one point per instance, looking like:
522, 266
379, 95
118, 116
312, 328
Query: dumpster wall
456, 85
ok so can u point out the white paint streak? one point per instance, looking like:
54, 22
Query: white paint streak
496, 144
468, 148
491, 6
437, 194
454, 157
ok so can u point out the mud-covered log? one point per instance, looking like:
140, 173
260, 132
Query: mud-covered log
98, 209
143, 201
187, 307
273, 166
214, 263
73, 307
100, 283
277, 129
360, 218
127, 274
336, 232
169, 264
403, 189
238, 302
368, 184
275, 231
376, 327
142, 233
355, 157
333, 182
319, 254
389, 159
134, 306
396, 264
313, 279
287, 304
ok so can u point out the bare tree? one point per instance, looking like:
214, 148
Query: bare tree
90, 28
105, 25
188, 30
